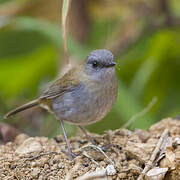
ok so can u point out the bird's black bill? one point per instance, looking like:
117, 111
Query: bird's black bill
111, 64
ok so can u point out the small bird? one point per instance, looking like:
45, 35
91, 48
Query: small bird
84, 95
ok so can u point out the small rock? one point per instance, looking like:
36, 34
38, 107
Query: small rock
61, 165
102, 163
156, 173
122, 175
46, 166
33, 164
35, 172
28, 146
177, 141
110, 170
21, 138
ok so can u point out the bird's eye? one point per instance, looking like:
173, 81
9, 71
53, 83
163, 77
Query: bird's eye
95, 64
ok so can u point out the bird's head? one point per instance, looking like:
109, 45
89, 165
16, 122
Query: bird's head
99, 59
100, 63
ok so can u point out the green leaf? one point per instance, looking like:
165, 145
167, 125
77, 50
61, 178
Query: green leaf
24, 73
53, 32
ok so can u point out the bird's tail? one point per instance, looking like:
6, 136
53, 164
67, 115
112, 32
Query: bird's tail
22, 108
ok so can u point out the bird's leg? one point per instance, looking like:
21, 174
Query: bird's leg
104, 148
72, 155
87, 136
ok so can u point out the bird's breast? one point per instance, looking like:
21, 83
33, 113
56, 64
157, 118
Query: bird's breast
87, 103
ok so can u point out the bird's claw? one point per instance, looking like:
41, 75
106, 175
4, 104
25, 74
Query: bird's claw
71, 155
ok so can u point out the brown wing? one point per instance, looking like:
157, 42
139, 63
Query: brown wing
69, 81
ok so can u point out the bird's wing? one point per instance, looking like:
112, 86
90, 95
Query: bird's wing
69, 81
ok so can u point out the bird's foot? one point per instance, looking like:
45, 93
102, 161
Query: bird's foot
92, 140
106, 147
71, 155
97, 148
103, 147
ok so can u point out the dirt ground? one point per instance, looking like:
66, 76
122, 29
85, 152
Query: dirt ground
125, 154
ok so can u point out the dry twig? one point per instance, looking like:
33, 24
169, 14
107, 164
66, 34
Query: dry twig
43, 154
98, 149
155, 154
85, 154
93, 175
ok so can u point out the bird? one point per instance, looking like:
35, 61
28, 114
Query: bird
83, 95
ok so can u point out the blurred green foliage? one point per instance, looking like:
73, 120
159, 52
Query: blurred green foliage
31, 52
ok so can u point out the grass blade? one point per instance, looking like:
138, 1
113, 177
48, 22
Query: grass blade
65, 9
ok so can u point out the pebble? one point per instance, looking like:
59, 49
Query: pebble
177, 140
21, 138
122, 175
33, 164
28, 146
35, 172
110, 170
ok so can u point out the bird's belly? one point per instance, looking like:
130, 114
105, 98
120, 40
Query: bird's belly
82, 106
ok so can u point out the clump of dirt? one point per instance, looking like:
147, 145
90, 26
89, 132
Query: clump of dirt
125, 155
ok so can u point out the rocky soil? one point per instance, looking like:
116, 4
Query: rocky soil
124, 155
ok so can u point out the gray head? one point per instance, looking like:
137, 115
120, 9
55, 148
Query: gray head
100, 59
